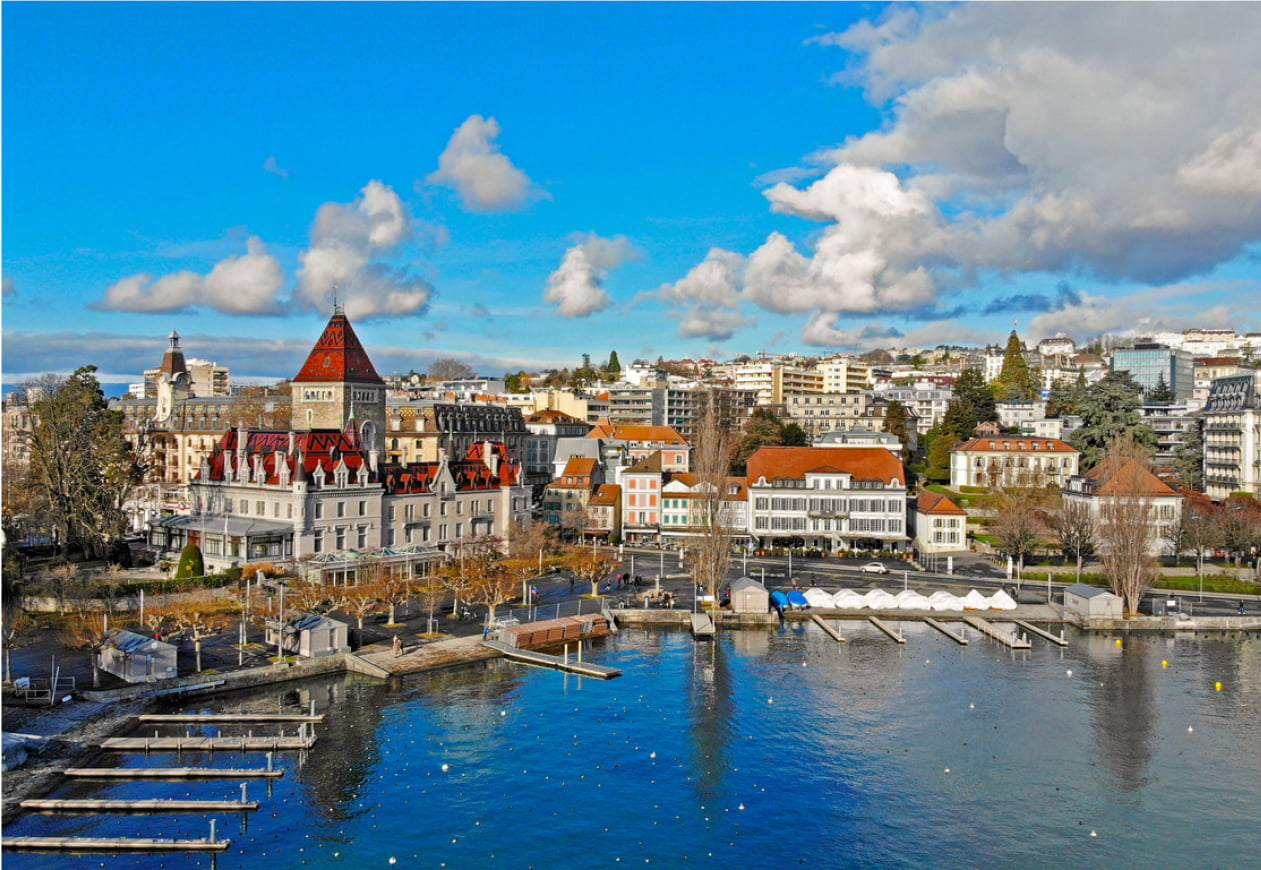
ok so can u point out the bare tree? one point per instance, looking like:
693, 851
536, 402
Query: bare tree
709, 556
492, 585
19, 630
1018, 524
1198, 531
1075, 528
449, 369
1127, 530
591, 564
88, 630
201, 612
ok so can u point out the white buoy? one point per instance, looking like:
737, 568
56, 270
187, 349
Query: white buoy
393, 860
445, 768
1094, 833
972, 706
1190, 729
947, 770
1070, 672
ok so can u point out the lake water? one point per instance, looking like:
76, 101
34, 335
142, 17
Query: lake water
759, 749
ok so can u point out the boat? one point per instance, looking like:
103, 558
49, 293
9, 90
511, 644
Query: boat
779, 600
797, 599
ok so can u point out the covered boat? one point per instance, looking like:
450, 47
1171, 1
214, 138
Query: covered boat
943, 600
1000, 600
975, 601
819, 597
797, 599
848, 599
878, 599
909, 599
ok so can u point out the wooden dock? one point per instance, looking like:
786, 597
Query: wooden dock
230, 718
172, 772
884, 626
957, 638
818, 620
545, 660
110, 844
1006, 638
702, 625
138, 806
1042, 633
208, 744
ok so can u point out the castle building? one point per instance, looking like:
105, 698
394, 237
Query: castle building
324, 492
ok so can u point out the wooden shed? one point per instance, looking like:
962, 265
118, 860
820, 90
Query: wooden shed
554, 631
137, 658
1092, 601
749, 596
313, 636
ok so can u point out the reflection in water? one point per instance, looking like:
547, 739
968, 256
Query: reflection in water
1123, 711
712, 712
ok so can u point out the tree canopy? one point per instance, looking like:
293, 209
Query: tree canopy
1015, 382
449, 369
82, 470
1110, 409
973, 404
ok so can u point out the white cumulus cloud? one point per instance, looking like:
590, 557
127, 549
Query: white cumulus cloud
482, 175
576, 288
345, 259
245, 284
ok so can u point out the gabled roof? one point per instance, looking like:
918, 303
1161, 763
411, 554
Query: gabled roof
1119, 475
579, 466
864, 463
318, 448
551, 415
641, 434
935, 503
647, 465
1014, 444
338, 356
608, 494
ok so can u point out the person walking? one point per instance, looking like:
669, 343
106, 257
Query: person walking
398, 646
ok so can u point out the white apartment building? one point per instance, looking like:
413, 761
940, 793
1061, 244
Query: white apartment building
1232, 438
773, 382
830, 498
845, 375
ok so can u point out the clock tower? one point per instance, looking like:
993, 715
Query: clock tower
338, 384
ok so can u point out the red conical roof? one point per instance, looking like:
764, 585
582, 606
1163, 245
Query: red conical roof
338, 356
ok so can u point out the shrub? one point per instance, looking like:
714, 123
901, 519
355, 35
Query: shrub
191, 564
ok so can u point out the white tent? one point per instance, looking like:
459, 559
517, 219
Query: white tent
943, 600
817, 597
909, 599
975, 601
1000, 600
848, 599
878, 599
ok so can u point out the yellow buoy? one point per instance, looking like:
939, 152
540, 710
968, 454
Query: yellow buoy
1164, 664
1217, 686
1118, 641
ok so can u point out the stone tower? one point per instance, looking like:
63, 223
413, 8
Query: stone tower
172, 379
338, 384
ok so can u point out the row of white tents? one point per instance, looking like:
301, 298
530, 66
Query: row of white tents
879, 599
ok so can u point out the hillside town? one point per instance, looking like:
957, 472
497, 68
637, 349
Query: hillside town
838, 454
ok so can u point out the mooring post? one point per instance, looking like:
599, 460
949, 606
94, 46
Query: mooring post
269, 760
212, 830
243, 793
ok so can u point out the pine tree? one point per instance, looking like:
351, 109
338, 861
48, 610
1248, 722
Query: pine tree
613, 367
1109, 409
1188, 459
973, 403
1015, 382
897, 422
1162, 393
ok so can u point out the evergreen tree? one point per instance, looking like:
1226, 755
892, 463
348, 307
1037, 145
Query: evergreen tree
793, 435
973, 403
614, 367
897, 421
191, 563
1110, 409
763, 429
1064, 399
938, 470
1162, 393
1015, 383
1188, 459
81, 467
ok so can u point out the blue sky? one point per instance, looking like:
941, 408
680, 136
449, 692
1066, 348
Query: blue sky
515, 185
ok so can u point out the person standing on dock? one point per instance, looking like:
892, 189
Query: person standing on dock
398, 646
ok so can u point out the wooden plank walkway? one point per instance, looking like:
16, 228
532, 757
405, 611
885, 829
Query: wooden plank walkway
1004, 637
883, 626
230, 718
818, 620
111, 844
171, 772
702, 625
66, 805
957, 638
207, 744
533, 657
1045, 635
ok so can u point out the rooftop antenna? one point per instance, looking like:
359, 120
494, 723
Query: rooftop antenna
337, 308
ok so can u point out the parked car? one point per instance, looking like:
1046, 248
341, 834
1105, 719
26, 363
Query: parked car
874, 568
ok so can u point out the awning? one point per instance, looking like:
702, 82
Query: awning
237, 527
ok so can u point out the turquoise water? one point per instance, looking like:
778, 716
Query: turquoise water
775, 749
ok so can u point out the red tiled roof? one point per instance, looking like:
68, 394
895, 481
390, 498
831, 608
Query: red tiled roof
630, 432
1016, 444
579, 466
607, 494
865, 463
550, 415
1115, 473
935, 503
338, 356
